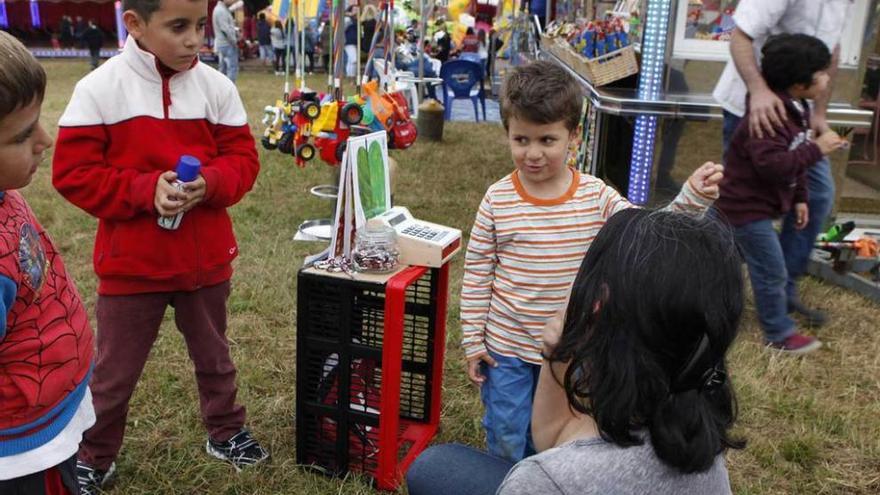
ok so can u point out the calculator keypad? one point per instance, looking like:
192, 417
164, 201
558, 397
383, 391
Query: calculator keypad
422, 232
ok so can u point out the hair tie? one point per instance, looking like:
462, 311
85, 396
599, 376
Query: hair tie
714, 377
701, 371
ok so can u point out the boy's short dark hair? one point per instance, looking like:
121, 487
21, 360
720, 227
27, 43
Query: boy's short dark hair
541, 92
790, 59
144, 8
22, 78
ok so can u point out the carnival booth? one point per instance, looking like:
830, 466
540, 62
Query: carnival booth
649, 68
371, 307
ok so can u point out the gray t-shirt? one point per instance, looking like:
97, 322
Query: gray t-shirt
596, 466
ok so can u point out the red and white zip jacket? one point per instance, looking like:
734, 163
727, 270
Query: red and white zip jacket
128, 122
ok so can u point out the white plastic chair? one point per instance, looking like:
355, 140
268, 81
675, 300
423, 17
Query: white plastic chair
404, 81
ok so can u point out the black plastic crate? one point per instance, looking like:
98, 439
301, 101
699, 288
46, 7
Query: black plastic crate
369, 368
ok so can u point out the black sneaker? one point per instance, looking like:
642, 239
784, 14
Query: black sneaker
91, 480
241, 450
812, 317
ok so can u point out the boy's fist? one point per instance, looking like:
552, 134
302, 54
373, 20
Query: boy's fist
705, 179
195, 192
473, 365
830, 141
167, 200
802, 215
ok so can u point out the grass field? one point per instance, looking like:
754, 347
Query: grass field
812, 424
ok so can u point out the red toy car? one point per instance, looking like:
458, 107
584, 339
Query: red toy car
331, 141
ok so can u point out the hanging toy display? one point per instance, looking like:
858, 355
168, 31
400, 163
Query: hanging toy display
306, 124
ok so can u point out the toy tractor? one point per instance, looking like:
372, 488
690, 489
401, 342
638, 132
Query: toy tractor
392, 114
339, 120
275, 118
305, 108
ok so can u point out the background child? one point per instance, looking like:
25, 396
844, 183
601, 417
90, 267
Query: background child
45, 340
531, 232
121, 135
767, 175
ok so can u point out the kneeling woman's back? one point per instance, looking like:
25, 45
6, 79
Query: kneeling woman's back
634, 396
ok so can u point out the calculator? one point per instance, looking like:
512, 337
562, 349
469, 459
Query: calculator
420, 243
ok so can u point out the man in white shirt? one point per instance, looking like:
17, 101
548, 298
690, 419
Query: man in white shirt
756, 20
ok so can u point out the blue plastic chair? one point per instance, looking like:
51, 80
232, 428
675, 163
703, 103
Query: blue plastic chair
463, 79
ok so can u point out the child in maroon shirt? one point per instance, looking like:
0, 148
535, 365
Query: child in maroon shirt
765, 177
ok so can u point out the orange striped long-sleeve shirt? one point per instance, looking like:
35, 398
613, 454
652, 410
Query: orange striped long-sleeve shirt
523, 256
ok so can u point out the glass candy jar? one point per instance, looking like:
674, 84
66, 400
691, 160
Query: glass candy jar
375, 249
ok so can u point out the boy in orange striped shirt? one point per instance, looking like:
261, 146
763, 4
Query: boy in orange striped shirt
531, 232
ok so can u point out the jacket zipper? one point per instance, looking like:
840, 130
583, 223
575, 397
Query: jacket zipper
166, 94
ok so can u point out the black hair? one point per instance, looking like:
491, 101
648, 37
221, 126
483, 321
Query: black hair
22, 78
656, 293
541, 92
144, 8
790, 59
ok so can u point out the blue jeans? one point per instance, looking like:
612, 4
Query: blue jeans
798, 244
228, 64
454, 469
507, 396
761, 247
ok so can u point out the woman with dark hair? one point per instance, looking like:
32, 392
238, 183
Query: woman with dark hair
633, 395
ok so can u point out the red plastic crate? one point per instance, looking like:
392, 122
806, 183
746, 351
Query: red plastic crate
369, 370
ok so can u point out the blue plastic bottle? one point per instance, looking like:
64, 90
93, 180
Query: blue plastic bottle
188, 168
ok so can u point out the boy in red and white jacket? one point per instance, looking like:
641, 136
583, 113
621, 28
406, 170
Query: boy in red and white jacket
126, 126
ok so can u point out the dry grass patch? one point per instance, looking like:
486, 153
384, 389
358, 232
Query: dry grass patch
813, 424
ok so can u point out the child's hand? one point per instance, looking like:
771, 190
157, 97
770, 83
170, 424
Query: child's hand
802, 215
830, 141
195, 193
473, 370
167, 200
553, 329
705, 179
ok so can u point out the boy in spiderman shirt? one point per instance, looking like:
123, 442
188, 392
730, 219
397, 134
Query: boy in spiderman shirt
45, 337
127, 124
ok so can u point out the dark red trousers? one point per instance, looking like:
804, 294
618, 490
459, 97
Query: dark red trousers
127, 328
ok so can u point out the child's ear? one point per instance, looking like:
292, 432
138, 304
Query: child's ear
606, 294
134, 23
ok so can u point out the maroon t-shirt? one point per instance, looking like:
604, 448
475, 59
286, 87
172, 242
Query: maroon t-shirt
765, 177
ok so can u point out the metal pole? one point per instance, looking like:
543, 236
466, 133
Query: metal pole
301, 55
287, 60
297, 68
393, 31
380, 27
547, 14
420, 51
338, 43
358, 18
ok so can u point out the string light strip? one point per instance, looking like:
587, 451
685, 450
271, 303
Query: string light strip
650, 84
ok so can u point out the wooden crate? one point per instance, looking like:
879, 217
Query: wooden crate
600, 70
